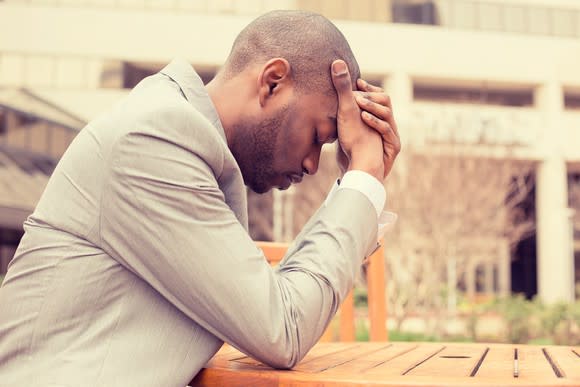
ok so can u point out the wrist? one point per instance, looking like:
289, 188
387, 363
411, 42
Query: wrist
373, 169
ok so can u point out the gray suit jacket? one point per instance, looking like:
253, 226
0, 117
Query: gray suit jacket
136, 264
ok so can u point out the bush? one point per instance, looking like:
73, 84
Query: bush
516, 312
533, 321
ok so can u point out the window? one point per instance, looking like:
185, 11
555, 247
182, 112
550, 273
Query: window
473, 95
133, 73
415, 12
572, 101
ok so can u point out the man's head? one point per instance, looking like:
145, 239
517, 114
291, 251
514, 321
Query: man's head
278, 74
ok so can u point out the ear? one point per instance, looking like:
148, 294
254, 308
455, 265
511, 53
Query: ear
274, 77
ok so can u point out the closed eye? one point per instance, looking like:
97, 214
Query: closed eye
316, 137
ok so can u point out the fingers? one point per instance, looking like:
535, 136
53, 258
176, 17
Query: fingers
341, 159
342, 83
365, 86
377, 124
376, 91
372, 106
378, 104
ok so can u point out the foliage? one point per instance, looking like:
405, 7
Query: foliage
516, 312
458, 210
410, 336
528, 321
523, 321
361, 332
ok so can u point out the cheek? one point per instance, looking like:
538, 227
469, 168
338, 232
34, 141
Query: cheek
298, 142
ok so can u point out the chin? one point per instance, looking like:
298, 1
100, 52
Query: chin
260, 188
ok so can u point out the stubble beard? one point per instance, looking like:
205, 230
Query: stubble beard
255, 150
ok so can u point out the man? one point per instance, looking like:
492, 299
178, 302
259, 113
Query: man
136, 264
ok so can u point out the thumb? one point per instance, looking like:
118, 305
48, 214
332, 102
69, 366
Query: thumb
341, 81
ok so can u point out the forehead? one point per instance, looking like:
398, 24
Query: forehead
318, 105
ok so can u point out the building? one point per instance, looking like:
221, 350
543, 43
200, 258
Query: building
505, 72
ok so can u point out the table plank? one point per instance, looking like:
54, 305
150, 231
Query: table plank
315, 353
533, 364
567, 360
453, 361
337, 358
406, 361
373, 359
498, 363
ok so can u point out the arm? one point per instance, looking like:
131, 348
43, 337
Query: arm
166, 220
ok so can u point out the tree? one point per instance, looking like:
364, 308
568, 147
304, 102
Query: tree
459, 207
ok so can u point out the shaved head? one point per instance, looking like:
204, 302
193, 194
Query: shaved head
308, 41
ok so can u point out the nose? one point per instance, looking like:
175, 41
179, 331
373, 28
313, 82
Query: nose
310, 163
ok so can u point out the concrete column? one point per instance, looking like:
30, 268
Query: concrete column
470, 278
488, 288
504, 267
399, 87
555, 258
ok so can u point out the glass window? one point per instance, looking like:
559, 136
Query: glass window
39, 70
539, 21
11, 70
415, 12
473, 95
565, 22
515, 19
464, 14
490, 17
70, 72
572, 101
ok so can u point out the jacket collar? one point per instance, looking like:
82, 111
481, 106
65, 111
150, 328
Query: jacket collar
191, 85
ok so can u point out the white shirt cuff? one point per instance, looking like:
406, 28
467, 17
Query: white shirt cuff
368, 186
376, 194
365, 184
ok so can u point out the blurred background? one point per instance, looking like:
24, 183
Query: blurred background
487, 97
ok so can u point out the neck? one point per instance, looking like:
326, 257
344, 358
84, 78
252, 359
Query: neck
228, 100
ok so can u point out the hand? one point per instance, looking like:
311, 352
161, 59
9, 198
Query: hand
361, 144
378, 114
341, 159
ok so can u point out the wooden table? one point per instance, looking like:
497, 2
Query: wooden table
403, 364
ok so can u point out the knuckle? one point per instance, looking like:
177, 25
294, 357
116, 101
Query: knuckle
383, 99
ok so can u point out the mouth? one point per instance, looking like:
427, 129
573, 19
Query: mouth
295, 178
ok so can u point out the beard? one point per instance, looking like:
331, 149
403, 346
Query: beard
255, 147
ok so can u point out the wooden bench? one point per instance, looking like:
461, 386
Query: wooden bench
375, 278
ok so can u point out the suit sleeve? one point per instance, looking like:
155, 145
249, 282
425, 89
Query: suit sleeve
164, 218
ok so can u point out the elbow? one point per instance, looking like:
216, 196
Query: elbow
283, 360
281, 354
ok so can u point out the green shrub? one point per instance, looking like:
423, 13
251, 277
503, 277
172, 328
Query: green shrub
516, 312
